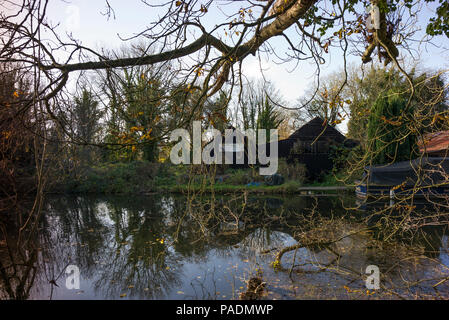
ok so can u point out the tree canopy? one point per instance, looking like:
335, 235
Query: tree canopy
192, 51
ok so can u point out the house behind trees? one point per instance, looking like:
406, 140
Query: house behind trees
312, 145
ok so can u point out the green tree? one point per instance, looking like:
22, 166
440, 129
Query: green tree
142, 95
363, 88
363, 91
268, 116
390, 137
259, 107
85, 123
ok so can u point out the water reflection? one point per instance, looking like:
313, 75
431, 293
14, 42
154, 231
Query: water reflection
167, 247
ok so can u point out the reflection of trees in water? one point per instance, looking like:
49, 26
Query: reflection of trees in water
262, 239
406, 257
123, 246
73, 234
17, 262
137, 245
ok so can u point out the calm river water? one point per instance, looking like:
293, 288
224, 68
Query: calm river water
169, 247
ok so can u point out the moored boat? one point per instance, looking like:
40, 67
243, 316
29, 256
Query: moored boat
422, 177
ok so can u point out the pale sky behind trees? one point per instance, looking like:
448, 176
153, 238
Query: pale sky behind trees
88, 22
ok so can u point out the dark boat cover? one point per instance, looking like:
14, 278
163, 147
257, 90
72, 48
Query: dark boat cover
425, 171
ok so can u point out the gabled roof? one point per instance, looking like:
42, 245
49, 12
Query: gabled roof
317, 127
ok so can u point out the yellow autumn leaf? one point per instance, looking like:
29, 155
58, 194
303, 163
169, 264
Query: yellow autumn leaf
337, 121
199, 71
123, 295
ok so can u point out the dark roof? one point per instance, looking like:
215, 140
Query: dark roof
315, 128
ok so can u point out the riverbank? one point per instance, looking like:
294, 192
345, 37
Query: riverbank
289, 187
147, 178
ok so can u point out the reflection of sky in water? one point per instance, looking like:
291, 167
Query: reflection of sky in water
124, 249
214, 276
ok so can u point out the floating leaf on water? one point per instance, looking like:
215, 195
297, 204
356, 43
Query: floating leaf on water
123, 295
180, 292
130, 286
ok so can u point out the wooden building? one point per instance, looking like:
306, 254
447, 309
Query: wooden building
311, 145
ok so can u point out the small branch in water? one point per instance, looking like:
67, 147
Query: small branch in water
268, 250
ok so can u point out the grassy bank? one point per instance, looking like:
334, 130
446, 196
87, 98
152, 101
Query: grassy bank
285, 188
144, 177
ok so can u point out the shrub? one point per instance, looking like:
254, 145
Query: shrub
238, 177
132, 177
292, 171
390, 139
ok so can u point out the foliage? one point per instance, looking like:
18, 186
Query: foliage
363, 89
390, 137
259, 108
17, 140
346, 168
269, 117
131, 177
141, 98
238, 177
86, 124
292, 171
439, 24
